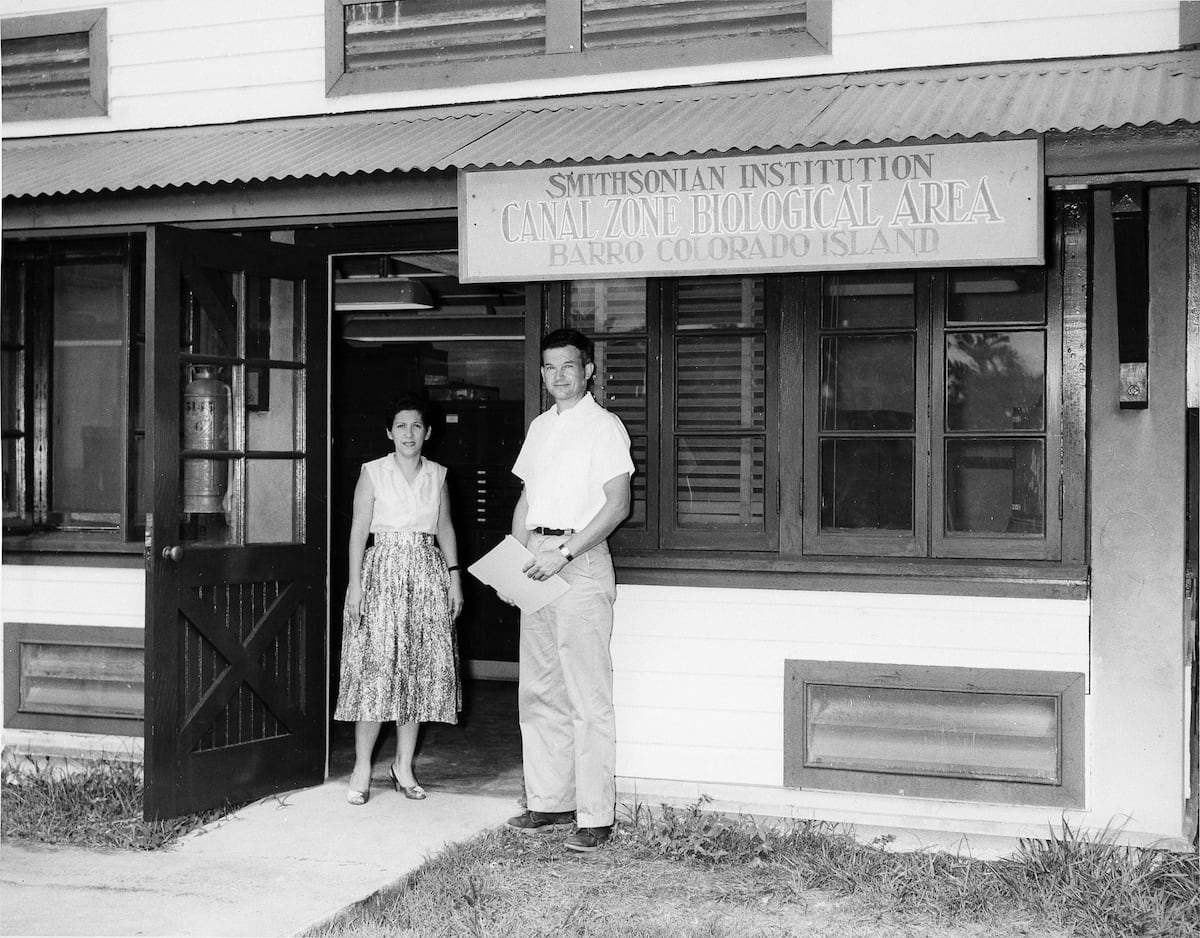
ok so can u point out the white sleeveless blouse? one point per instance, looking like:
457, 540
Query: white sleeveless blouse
403, 506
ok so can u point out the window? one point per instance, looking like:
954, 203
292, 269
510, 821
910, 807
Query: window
704, 418
73, 418
408, 44
846, 416
928, 425
55, 65
964, 733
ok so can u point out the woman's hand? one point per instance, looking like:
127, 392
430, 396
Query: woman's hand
456, 594
354, 600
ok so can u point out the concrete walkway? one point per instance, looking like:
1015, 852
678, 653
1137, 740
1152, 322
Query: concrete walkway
276, 867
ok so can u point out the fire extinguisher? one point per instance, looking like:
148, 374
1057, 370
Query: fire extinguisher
206, 401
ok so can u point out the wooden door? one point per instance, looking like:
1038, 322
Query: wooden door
236, 548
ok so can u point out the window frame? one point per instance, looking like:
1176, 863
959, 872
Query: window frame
36, 522
566, 54
1055, 566
17, 634
1069, 687
39, 107
872, 543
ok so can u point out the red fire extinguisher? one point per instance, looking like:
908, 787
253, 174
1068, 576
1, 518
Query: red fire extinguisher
206, 401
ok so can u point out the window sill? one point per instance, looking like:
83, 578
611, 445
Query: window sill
854, 574
72, 548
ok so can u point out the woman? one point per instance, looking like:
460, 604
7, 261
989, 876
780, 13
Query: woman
399, 654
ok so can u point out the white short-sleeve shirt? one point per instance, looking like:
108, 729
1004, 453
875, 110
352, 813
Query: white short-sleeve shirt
565, 461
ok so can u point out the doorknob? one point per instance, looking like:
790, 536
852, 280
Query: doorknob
174, 554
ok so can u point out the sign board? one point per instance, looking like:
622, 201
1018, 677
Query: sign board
932, 205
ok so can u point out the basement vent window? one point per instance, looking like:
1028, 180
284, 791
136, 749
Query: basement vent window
1013, 737
84, 679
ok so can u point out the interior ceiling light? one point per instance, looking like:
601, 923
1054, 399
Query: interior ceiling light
388, 293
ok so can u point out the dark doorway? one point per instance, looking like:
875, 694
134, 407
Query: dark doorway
480, 755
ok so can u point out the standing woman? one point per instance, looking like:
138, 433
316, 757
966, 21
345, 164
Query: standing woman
399, 649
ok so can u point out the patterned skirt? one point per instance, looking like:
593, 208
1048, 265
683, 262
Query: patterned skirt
400, 659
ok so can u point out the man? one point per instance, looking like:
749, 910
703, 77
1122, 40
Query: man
575, 466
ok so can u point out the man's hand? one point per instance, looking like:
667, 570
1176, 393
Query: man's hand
545, 564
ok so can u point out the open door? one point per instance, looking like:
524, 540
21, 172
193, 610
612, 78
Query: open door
236, 548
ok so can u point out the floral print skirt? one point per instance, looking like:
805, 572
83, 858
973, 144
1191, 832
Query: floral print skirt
400, 658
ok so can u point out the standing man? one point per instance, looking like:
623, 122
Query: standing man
575, 465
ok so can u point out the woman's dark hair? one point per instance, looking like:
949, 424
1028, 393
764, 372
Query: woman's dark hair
408, 402
564, 338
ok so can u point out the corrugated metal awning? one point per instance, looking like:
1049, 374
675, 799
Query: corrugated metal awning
868, 107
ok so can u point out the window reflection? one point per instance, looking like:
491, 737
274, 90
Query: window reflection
995, 487
995, 380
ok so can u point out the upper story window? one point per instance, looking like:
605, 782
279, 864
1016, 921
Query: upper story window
400, 45
55, 65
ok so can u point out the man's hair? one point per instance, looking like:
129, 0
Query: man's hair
407, 402
570, 338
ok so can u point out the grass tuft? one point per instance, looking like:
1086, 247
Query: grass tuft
96, 805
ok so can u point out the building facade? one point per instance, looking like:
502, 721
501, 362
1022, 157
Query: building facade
900, 307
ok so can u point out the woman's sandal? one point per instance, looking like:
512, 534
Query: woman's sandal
413, 792
358, 798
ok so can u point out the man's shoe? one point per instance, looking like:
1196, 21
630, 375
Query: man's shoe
532, 821
588, 839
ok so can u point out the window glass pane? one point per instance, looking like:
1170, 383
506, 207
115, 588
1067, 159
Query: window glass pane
719, 302
273, 416
956, 734
420, 32
210, 312
995, 380
88, 389
637, 487
273, 324
11, 365
719, 481
868, 301
868, 382
995, 487
619, 382
272, 494
607, 306
867, 484
720, 381
12, 489
84, 680
1015, 294
205, 424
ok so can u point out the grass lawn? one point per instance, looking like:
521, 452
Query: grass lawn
672, 873
97, 805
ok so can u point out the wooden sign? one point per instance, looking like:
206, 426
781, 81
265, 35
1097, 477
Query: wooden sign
934, 205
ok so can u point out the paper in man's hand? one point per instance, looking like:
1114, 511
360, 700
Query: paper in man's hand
502, 567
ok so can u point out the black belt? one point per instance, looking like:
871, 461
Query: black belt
554, 532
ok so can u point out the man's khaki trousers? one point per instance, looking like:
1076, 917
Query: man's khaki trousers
565, 693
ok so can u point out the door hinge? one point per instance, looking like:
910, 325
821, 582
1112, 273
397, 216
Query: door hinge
778, 497
1062, 488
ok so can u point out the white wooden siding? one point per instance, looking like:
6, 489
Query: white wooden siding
699, 693
74, 595
699, 673
173, 63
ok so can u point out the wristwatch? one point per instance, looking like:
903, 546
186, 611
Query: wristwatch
562, 549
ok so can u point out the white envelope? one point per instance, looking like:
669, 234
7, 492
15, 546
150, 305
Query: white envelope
501, 569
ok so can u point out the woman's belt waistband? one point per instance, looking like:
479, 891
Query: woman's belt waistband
553, 532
